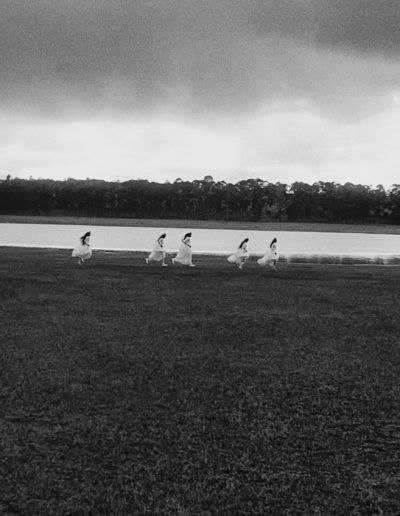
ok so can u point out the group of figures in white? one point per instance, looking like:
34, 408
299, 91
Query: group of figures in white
83, 252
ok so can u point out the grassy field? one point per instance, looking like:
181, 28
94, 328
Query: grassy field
204, 224
129, 389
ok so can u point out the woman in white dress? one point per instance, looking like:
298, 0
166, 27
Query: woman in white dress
158, 253
271, 256
83, 251
241, 256
184, 255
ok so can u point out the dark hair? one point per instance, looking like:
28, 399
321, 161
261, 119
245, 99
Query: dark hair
84, 237
187, 235
162, 236
244, 241
274, 240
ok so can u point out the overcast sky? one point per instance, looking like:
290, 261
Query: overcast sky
282, 90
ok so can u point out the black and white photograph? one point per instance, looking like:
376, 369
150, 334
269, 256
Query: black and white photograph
199, 257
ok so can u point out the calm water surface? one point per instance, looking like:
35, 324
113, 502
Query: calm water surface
218, 241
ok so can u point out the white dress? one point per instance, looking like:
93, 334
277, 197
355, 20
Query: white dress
184, 255
158, 253
83, 251
269, 257
240, 256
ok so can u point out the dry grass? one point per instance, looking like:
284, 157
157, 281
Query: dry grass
132, 389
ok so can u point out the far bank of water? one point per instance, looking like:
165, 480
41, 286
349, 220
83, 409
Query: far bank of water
386, 229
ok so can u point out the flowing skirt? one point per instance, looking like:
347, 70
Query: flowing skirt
82, 251
239, 257
184, 255
269, 258
158, 253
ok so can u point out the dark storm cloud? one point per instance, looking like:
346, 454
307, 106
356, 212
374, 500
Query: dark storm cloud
360, 26
208, 56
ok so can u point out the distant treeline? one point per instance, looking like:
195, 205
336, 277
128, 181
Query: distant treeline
248, 200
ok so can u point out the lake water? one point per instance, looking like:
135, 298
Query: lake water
204, 241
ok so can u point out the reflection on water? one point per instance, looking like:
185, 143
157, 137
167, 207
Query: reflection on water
342, 259
292, 245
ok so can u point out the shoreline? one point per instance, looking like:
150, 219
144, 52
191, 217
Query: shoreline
385, 229
287, 259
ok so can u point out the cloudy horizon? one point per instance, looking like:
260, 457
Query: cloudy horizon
154, 89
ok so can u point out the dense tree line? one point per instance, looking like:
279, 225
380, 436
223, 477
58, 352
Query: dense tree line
247, 200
